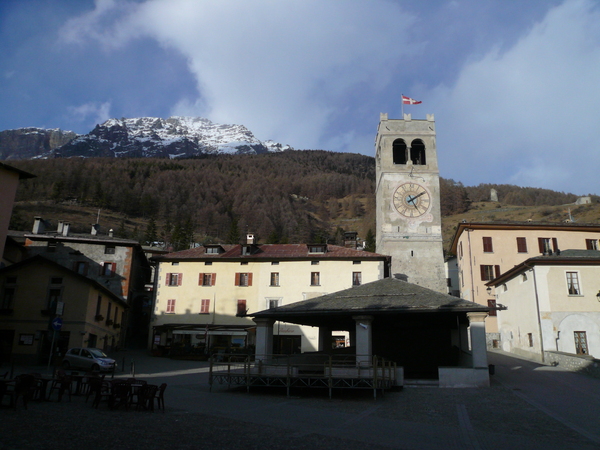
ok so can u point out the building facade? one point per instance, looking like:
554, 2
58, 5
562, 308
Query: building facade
487, 250
553, 305
37, 291
407, 193
204, 294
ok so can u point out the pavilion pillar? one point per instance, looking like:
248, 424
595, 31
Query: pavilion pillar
264, 338
325, 339
478, 343
364, 339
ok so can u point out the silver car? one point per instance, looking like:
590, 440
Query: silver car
92, 359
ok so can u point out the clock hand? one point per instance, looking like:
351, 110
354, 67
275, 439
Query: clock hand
411, 200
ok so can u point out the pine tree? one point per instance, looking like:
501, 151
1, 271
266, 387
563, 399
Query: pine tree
370, 241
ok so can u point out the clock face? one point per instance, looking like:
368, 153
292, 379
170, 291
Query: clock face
412, 200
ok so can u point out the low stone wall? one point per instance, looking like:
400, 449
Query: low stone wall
576, 363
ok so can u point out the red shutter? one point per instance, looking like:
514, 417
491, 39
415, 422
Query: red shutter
179, 279
168, 280
113, 268
521, 245
497, 270
200, 279
588, 244
213, 279
237, 279
250, 279
483, 277
487, 244
555, 244
541, 244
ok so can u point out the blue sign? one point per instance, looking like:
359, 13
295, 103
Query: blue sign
57, 324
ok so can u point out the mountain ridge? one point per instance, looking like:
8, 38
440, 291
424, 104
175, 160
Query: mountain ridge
140, 137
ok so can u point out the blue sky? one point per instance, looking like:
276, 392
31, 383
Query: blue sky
514, 85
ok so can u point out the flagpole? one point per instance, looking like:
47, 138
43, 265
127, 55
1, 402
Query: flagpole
402, 103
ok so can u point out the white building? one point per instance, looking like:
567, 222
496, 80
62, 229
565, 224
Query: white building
553, 305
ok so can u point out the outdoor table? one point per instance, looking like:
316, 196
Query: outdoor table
43, 386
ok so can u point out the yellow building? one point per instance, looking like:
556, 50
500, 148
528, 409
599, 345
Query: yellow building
203, 294
487, 250
37, 291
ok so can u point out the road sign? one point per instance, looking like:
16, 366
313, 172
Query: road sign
57, 324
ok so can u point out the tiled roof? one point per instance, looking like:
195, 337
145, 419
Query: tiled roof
271, 252
382, 296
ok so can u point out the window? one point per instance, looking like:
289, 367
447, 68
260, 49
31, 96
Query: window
207, 279
317, 248
417, 152
591, 244
274, 263
448, 282
356, 278
243, 279
108, 311
521, 245
81, 267
244, 263
399, 151
52, 245
212, 250
170, 306
208, 263
241, 308
98, 305
314, 263
546, 247
174, 279
273, 303
56, 280
492, 304
530, 339
108, 269
205, 306
356, 262
8, 297
274, 278
315, 278
54, 296
573, 283
581, 347
109, 249
487, 245
488, 272
460, 250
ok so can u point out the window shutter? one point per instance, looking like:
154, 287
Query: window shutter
487, 244
168, 280
179, 279
250, 279
588, 244
200, 279
497, 270
555, 244
483, 277
237, 279
213, 279
521, 245
541, 244
113, 268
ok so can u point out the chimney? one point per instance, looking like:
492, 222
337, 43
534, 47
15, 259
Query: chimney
59, 229
95, 228
249, 238
111, 232
65, 230
38, 225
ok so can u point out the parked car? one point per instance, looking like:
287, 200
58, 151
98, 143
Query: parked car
92, 359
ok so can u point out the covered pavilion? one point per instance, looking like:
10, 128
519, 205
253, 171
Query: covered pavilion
431, 336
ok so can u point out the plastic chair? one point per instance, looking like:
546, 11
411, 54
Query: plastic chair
25, 387
146, 396
160, 397
120, 395
61, 383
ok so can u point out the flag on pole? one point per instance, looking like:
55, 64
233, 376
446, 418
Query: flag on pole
409, 101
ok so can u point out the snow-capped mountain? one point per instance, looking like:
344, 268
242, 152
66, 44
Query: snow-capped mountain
174, 137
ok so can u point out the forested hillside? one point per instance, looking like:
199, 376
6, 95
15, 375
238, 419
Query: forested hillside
293, 196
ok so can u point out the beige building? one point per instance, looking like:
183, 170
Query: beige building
487, 250
553, 305
34, 292
203, 294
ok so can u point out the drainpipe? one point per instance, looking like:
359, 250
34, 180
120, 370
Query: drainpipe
539, 319
468, 230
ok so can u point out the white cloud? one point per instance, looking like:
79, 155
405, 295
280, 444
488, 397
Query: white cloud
98, 112
277, 67
529, 115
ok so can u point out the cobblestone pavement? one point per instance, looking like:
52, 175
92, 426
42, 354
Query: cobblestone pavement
506, 415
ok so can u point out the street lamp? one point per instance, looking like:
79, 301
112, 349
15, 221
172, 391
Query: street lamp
489, 292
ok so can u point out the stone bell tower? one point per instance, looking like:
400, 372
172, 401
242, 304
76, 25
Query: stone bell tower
409, 222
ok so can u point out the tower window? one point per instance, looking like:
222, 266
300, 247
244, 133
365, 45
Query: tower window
417, 152
399, 151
